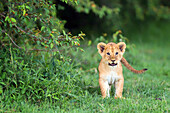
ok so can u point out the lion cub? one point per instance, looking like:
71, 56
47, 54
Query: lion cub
110, 68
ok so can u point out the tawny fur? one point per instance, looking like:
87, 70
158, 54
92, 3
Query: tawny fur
128, 66
110, 68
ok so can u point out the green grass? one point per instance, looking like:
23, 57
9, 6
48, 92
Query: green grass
148, 92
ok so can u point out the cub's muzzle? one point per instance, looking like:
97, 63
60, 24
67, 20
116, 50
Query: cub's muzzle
113, 63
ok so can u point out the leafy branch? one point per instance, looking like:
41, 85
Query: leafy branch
25, 48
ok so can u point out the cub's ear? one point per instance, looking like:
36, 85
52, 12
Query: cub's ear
122, 46
101, 46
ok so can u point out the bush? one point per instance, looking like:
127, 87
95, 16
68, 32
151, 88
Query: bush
35, 47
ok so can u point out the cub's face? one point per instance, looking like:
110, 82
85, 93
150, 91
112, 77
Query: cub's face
111, 53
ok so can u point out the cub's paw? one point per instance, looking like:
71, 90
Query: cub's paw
116, 97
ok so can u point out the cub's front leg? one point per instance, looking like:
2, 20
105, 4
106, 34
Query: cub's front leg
104, 87
119, 87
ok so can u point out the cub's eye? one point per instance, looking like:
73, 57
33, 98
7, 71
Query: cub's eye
108, 53
116, 53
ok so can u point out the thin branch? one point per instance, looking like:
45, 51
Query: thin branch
12, 40
54, 50
26, 32
2, 15
60, 37
28, 49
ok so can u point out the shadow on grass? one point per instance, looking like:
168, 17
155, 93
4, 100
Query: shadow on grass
93, 89
96, 89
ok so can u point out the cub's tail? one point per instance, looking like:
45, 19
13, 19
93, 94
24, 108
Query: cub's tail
128, 66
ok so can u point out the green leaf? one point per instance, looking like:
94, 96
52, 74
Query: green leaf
11, 71
27, 7
64, 32
82, 50
21, 82
89, 43
24, 11
6, 18
38, 42
86, 10
51, 45
15, 82
66, 37
1, 89
54, 30
57, 42
56, 98
42, 43
35, 19
76, 2
3, 83
23, 90
42, 28
55, 53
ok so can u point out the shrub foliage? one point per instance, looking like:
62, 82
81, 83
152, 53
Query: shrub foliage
35, 62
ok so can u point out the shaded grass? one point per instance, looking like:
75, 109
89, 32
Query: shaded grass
148, 92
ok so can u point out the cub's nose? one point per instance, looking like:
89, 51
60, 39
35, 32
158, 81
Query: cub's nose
113, 61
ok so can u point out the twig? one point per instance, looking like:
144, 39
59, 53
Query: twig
54, 50
12, 40
27, 33
2, 15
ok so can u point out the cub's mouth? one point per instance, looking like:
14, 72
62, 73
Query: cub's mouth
112, 64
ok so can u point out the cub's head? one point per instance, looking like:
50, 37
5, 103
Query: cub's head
111, 53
